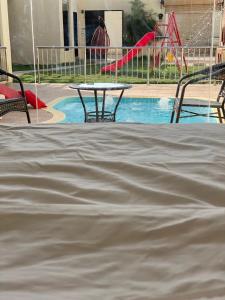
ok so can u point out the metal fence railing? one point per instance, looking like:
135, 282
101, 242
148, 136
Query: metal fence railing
3, 60
150, 65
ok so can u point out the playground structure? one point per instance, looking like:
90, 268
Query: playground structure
170, 40
100, 38
131, 54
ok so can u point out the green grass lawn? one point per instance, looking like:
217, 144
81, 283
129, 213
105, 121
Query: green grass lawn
135, 72
22, 67
56, 78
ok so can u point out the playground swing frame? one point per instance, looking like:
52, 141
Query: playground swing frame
171, 34
172, 39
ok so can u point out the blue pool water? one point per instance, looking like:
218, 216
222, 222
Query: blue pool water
139, 110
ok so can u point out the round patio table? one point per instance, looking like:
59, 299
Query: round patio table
100, 114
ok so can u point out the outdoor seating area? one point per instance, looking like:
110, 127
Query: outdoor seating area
12, 100
51, 92
163, 55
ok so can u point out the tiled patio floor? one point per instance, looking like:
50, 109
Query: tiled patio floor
50, 92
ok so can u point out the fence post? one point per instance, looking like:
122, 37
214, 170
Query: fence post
38, 66
116, 65
85, 66
182, 58
6, 61
148, 66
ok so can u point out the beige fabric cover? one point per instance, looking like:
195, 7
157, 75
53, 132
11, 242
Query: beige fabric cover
112, 211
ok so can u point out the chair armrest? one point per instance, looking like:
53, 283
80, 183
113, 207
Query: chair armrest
200, 72
195, 80
207, 73
2, 72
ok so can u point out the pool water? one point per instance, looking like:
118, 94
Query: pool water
137, 110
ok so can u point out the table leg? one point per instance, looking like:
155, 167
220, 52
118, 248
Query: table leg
82, 102
117, 104
103, 105
96, 105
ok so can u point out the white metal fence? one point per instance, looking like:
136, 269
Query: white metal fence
3, 60
151, 65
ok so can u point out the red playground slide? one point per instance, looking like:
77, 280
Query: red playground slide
131, 54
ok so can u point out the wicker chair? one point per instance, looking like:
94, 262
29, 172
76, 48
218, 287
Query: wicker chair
216, 72
15, 104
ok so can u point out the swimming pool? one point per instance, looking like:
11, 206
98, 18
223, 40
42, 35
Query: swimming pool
137, 110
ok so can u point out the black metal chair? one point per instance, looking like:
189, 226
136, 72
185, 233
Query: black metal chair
15, 104
184, 105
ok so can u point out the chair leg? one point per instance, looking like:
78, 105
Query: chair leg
219, 115
223, 110
178, 115
222, 115
172, 116
28, 117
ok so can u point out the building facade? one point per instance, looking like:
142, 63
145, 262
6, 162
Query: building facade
72, 22
4, 33
60, 23
196, 18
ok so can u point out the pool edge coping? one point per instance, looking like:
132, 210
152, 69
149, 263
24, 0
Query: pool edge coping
57, 116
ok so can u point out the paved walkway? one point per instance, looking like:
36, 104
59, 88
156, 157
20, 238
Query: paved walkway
50, 92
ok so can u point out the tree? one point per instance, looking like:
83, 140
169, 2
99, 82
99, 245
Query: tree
137, 23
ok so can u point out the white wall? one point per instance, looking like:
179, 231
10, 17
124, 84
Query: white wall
4, 32
195, 22
116, 5
112, 25
113, 22
48, 23
20, 31
48, 29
